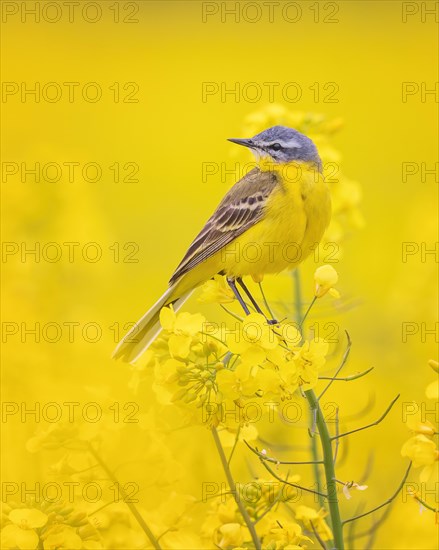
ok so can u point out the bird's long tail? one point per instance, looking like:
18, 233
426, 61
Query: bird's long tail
145, 331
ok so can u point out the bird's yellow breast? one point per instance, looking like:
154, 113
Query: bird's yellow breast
295, 218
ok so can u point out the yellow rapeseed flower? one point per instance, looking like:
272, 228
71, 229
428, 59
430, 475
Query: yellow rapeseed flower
309, 360
231, 535
184, 328
20, 533
247, 432
62, 536
434, 365
279, 380
325, 278
422, 452
432, 390
314, 519
253, 339
416, 425
287, 536
241, 382
217, 291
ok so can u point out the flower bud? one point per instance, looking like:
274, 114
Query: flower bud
325, 278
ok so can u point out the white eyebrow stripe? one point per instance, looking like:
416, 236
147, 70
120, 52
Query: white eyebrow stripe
285, 144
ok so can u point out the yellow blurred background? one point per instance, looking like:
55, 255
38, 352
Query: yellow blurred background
163, 113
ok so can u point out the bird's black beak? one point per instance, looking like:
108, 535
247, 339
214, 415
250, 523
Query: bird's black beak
244, 142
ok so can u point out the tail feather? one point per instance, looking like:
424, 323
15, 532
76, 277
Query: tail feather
145, 331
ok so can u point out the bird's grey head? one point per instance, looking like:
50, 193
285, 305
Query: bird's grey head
282, 144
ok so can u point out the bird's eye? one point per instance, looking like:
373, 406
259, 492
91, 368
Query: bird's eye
276, 146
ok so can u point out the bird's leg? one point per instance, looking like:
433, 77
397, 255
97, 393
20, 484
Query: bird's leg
232, 285
247, 291
254, 302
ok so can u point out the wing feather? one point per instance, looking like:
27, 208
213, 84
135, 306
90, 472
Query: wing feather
240, 209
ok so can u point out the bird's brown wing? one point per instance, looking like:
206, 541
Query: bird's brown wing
239, 210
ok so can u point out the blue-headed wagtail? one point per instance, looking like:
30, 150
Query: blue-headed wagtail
282, 203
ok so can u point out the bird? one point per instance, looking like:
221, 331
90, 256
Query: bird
269, 221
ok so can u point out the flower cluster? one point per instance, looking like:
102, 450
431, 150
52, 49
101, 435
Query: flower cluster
219, 367
262, 499
47, 525
421, 448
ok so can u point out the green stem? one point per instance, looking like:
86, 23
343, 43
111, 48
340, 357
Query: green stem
232, 452
286, 482
331, 483
425, 504
233, 490
266, 458
316, 468
299, 321
347, 378
380, 419
298, 296
307, 312
264, 299
126, 499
